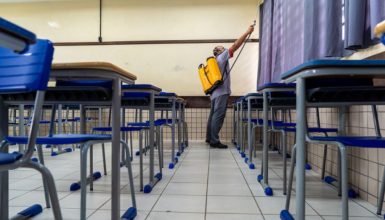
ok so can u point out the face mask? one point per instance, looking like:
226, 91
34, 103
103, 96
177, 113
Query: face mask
218, 50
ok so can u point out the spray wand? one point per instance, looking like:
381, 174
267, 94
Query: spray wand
244, 44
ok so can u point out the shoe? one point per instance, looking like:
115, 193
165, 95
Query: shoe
207, 142
218, 145
222, 146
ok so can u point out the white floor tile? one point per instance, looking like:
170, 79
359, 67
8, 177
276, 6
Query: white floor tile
228, 190
94, 200
325, 206
210, 216
308, 217
350, 218
68, 214
274, 205
195, 189
106, 214
231, 204
175, 216
221, 174
172, 203
33, 197
189, 178
144, 202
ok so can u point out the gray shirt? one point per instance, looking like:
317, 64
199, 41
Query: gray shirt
224, 89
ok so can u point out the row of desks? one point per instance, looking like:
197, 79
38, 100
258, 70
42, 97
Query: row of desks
330, 74
87, 71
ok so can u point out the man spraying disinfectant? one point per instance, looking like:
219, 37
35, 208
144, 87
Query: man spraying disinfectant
220, 92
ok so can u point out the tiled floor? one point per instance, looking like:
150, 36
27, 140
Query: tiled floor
207, 184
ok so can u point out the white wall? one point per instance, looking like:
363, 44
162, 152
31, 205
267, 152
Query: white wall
172, 67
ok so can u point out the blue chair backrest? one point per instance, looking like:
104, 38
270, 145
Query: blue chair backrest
26, 72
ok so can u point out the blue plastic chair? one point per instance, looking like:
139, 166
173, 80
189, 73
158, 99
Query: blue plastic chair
28, 73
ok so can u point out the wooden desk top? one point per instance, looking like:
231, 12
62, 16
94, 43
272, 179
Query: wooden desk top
94, 65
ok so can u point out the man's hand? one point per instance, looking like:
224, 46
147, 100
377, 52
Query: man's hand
242, 39
250, 29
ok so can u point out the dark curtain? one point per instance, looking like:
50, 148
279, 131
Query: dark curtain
277, 41
293, 38
295, 31
323, 29
361, 16
266, 15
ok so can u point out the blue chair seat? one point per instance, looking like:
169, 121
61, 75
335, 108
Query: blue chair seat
288, 124
141, 87
313, 130
252, 94
167, 94
136, 95
8, 158
354, 141
146, 124
136, 98
138, 124
165, 121
124, 129
59, 139
78, 119
276, 85
276, 123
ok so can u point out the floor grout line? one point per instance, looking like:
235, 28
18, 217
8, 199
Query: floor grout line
207, 183
260, 211
160, 195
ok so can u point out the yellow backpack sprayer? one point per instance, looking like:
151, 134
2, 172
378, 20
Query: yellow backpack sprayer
210, 74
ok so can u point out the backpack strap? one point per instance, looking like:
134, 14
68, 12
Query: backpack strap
226, 72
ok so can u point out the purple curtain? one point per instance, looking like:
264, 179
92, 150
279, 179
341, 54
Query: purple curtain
266, 15
293, 39
300, 30
277, 41
323, 29
377, 13
360, 19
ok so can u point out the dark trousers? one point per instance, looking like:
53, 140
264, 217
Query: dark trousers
216, 118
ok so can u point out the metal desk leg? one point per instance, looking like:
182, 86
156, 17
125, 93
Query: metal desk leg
241, 130
51, 130
151, 135
21, 126
59, 124
344, 182
4, 177
238, 131
300, 145
154, 179
180, 149
173, 158
115, 152
82, 110
264, 179
342, 132
234, 124
249, 136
